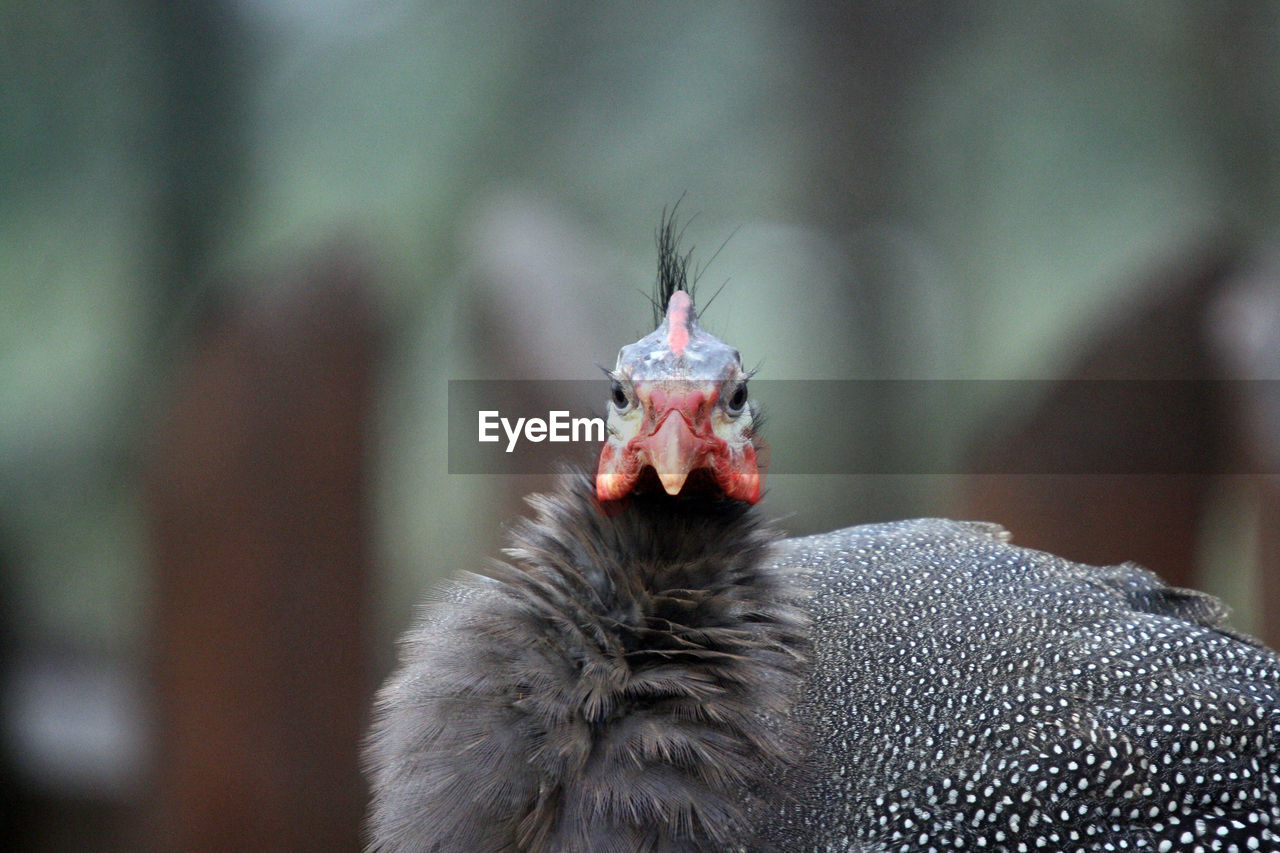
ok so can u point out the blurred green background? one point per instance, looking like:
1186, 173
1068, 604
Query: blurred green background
907, 190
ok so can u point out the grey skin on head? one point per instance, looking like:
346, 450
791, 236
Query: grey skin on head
655, 669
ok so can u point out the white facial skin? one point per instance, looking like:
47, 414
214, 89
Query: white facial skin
678, 405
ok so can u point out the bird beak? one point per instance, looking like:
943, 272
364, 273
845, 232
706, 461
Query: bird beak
673, 451
676, 437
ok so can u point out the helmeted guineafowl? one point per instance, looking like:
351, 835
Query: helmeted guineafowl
654, 669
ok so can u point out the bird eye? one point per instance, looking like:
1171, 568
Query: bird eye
738, 399
619, 395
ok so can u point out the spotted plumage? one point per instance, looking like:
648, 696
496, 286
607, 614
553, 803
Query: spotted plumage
967, 694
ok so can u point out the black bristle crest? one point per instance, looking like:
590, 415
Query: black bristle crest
673, 267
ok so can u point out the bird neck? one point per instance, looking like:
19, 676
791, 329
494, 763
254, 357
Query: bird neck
634, 556
685, 651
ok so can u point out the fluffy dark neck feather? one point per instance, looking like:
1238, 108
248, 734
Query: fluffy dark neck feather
682, 652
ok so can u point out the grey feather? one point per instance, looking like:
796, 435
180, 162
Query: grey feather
619, 686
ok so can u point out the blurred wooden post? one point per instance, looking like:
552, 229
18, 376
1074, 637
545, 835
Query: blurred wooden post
1153, 519
260, 518
1102, 518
